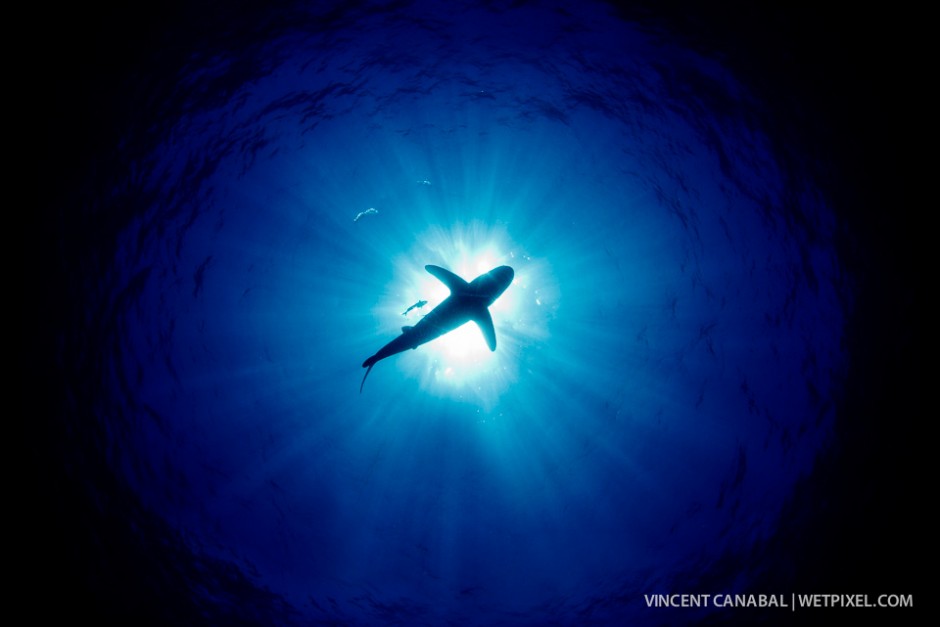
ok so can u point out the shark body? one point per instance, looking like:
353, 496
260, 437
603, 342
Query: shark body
467, 301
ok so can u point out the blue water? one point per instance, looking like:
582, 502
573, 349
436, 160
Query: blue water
671, 354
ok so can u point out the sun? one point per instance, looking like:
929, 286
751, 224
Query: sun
460, 364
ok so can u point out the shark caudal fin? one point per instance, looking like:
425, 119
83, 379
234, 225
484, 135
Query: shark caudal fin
364, 377
367, 364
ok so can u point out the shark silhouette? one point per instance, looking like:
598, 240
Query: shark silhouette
467, 301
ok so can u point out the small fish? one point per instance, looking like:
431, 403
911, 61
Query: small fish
368, 212
417, 305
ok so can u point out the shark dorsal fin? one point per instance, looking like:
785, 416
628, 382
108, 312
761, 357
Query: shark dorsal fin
453, 282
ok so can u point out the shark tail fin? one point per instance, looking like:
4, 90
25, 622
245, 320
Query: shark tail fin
364, 377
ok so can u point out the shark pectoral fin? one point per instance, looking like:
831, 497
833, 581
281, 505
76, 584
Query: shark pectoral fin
406, 329
453, 282
485, 321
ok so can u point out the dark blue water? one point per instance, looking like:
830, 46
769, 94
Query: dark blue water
678, 355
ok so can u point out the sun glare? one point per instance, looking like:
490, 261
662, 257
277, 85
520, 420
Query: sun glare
460, 363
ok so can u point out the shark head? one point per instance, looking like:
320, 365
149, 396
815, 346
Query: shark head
492, 284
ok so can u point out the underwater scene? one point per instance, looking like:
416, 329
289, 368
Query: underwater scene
471, 313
